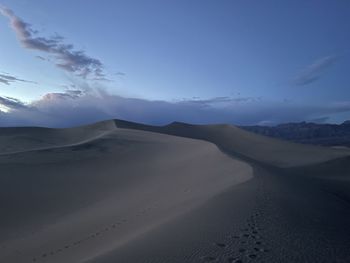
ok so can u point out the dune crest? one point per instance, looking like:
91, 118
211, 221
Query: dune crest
248, 145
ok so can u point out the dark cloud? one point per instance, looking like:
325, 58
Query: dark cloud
76, 107
67, 58
4, 81
7, 79
315, 71
11, 103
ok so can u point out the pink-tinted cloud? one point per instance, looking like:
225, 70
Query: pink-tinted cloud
66, 57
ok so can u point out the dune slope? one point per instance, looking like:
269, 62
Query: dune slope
247, 145
125, 192
15, 140
100, 187
293, 210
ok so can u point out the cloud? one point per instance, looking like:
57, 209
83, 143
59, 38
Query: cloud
11, 103
66, 57
119, 73
81, 106
315, 71
7, 79
57, 96
41, 58
320, 119
206, 102
224, 100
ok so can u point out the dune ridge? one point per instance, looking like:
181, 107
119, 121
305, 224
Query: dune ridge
247, 145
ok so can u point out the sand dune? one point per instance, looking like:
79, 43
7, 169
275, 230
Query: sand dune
21, 139
247, 145
118, 191
295, 209
85, 196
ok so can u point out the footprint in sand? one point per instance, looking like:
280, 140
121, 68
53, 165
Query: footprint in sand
209, 258
252, 256
232, 259
222, 245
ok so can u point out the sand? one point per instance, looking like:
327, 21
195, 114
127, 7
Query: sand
16, 140
127, 192
250, 146
84, 197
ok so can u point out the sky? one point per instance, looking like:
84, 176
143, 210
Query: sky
66, 63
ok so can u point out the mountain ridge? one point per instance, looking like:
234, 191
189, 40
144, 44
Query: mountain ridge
307, 133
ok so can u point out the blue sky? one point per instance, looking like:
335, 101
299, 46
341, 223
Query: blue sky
243, 62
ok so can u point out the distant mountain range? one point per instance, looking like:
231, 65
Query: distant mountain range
308, 133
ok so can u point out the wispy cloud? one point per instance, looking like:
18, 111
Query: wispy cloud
7, 79
223, 100
119, 73
11, 103
41, 58
315, 71
207, 102
66, 56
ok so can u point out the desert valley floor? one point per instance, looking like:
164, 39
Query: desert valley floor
117, 191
